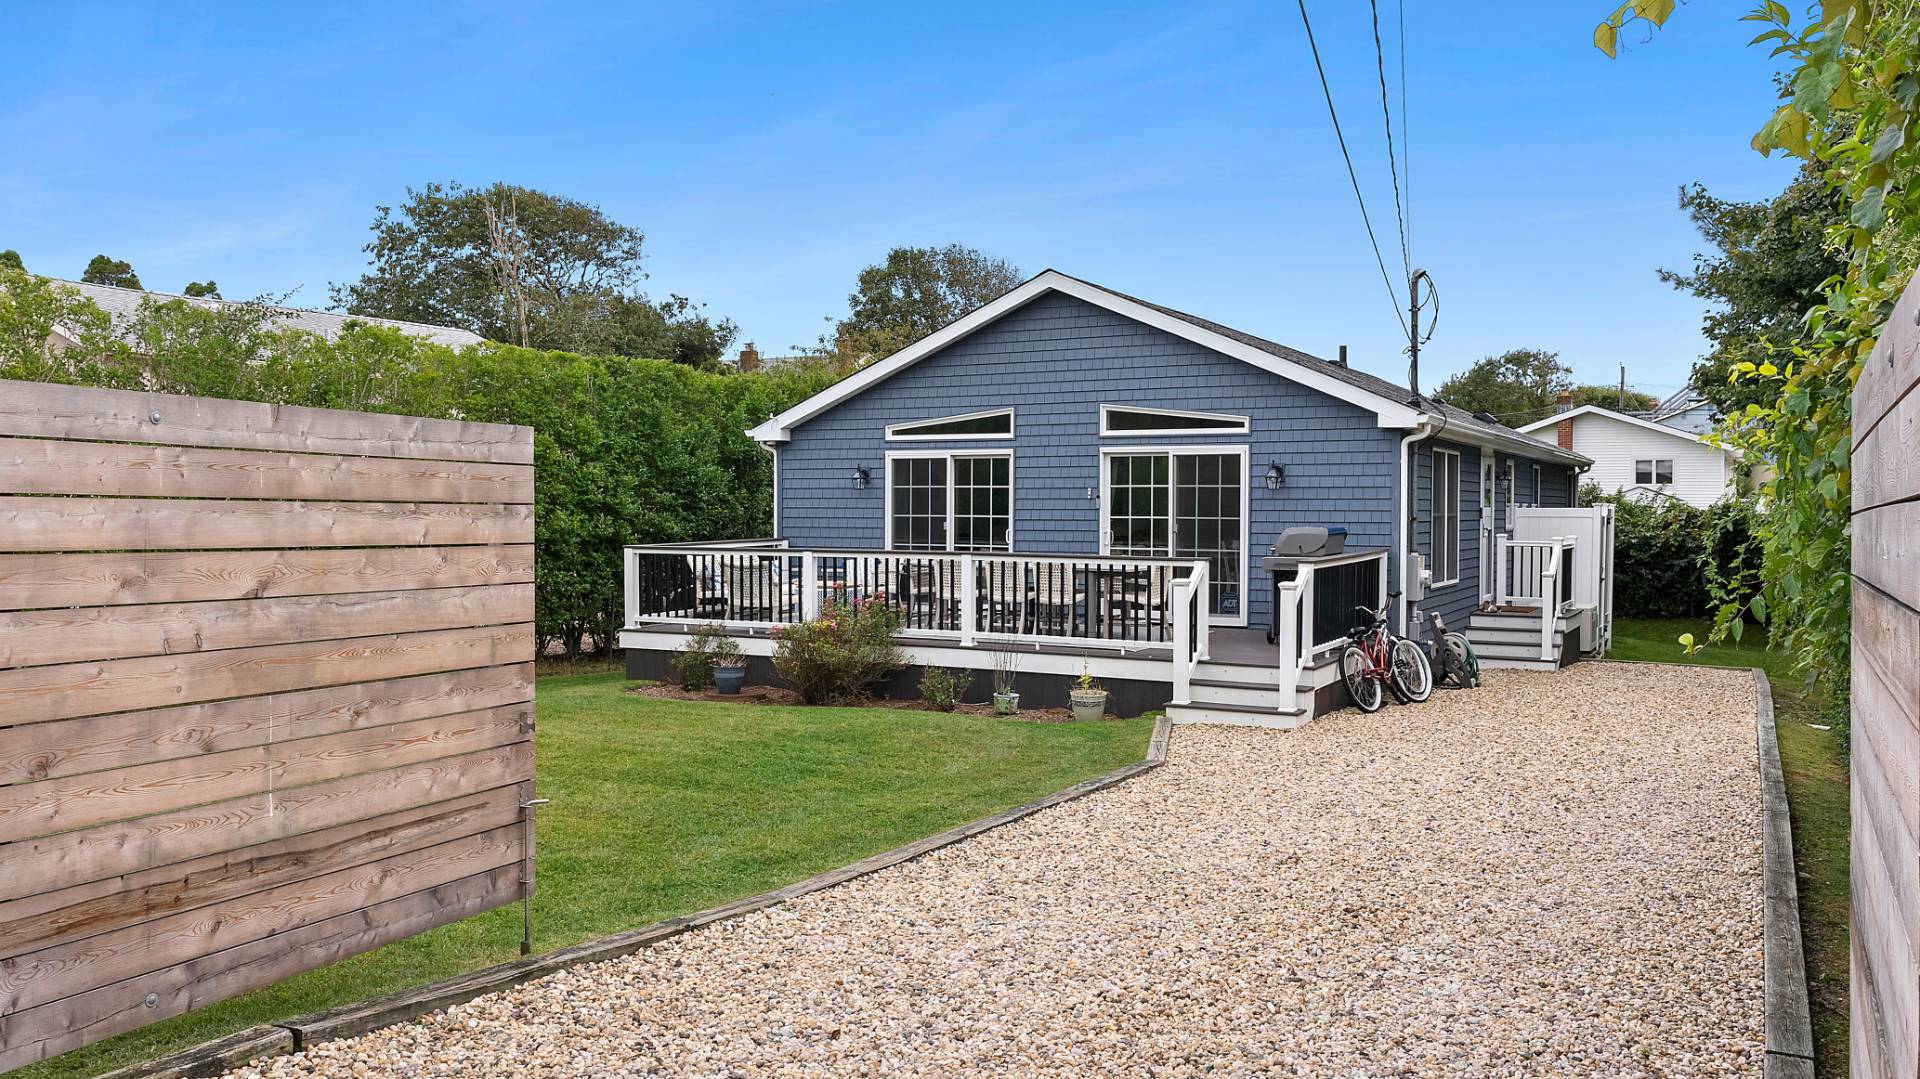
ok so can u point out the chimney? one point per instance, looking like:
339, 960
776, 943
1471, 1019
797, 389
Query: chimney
749, 358
1562, 403
1563, 431
1343, 356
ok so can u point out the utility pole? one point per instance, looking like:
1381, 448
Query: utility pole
1413, 333
1622, 405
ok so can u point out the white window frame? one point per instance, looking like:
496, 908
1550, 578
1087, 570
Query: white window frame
1486, 485
1243, 424
1653, 471
1513, 484
1246, 508
895, 430
1539, 495
1433, 531
949, 456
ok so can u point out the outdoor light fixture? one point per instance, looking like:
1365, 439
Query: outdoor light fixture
859, 477
1275, 476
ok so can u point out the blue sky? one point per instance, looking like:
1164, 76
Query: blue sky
1179, 152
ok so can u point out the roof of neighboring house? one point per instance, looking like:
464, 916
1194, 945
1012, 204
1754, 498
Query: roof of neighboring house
1599, 410
124, 303
1685, 398
1395, 405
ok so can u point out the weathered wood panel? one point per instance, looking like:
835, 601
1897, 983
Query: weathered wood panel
67, 747
128, 577
266, 696
1885, 983
30, 523
31, 466
41, 410
77, 634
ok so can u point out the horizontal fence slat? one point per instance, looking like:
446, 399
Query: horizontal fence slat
30, 810
34, 1033
1883, 550
1883, 461
107, 578
46, 467
92, 854
64, 691
65, 747
48, 411
72, 967
50, 523
73, 635
1886, 635
103, 905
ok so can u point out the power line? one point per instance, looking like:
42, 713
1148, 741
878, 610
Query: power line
1393, 295
1406, 126
1386, 113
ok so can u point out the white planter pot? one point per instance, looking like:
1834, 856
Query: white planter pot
1088, 703
1006, 703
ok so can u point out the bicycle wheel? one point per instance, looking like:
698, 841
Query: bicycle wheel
1408, 669
1361, 686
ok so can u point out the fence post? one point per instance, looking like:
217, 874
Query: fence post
809, 586
1202, 611
969, 601
1286, 618
633, 588
1307, 588
1500, 594
1549, 595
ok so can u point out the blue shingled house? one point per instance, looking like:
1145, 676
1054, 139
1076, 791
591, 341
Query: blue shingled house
1093, 479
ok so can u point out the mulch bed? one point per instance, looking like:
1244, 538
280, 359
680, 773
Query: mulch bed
776, 695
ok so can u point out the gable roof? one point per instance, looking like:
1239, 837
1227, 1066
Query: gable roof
1394, 406
1598, 410
124, 304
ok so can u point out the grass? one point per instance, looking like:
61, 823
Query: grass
665, 807
1815, 764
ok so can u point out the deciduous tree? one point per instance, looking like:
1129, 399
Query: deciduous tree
910, 294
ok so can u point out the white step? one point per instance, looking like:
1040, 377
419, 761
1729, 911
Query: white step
1495, 663
1504, 635
1244, 673
1497, 650
1233, 716
1246, 695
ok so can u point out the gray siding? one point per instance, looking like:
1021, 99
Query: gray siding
1054, 362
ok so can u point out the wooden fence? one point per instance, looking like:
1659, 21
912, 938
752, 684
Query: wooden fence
266, 696
1885, 1020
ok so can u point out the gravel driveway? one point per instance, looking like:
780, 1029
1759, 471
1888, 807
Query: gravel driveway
1558, 874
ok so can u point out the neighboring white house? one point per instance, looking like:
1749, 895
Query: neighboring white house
124, 303
1640, 457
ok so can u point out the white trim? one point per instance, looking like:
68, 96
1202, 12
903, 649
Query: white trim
893, 429
1599, 410
1245, 425
1538, 497
1433, 516
1653, 481
1246, 509
949, 456
1513, 484
1390, 412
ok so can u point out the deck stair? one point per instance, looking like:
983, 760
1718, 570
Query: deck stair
1241, 694
1512, 639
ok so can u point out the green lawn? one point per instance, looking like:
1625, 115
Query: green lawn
665, 807
1815, 763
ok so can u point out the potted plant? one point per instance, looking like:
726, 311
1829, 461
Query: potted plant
1089, 699
1006, 664
729, 666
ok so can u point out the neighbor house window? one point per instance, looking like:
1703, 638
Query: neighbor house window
1653, 472
1135, 420
950, 502
1444, 550
997, 423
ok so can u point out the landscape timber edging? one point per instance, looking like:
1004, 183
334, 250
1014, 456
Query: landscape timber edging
1789, 1027
292, 1035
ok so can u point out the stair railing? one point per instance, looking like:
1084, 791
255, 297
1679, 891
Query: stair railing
1191, 598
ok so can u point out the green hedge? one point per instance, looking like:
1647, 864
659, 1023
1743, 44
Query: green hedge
626, 450
1668, 554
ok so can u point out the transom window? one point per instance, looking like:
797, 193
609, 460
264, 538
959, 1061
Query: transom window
1444, 547
997, 423
950, 502
1653, 471
1137, 420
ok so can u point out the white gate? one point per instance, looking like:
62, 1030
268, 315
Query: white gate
1592, 529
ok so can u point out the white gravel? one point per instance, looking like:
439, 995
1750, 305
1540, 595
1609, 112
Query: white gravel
1558, 874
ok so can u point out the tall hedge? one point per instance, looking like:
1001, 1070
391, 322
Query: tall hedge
626, 450
1673, 560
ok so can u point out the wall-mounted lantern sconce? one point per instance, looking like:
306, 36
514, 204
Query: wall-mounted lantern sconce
1276, 475
860, 477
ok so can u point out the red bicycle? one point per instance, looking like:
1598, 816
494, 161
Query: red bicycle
1379, 660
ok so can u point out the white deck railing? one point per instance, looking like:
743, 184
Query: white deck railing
1535, 572
1317, 602
974, 598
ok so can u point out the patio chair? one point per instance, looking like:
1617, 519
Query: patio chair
931, 593
1004, 594
706, 598
1057, 595
751, 588
1139, 602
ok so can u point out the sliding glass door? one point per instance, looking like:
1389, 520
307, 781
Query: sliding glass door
1182, 504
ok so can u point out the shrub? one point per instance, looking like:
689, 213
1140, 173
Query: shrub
709, 647
1673, 560
834, 657
941, 687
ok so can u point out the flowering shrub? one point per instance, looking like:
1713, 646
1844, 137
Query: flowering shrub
834, 657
